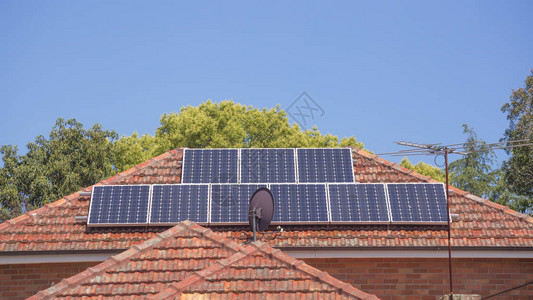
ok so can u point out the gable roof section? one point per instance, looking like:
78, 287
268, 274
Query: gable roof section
481, 223
259, 270
189, 260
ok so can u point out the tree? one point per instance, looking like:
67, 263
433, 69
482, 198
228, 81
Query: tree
232, 125
518, 169
69, 159
501, 194
424, 169
222, 125
473, 172
132, 150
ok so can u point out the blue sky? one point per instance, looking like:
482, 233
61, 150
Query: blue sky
380, 71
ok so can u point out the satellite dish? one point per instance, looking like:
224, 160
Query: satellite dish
260, 210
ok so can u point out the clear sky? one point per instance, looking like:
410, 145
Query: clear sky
380, 71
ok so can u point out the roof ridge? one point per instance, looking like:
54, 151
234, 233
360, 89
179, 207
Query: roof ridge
409, 172
135, 251
74, 196
176, 288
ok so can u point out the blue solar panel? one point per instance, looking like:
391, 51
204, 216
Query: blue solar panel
417, 202
325, 165
300, 203
229, 202
210, 166
119, 204
354, 202
174, 203
267, 165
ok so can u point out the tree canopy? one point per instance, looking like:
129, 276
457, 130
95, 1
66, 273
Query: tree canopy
518, 169
223, 125
473, 172
70, 158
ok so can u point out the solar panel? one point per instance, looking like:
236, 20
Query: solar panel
325, 165
417, 202
119, 204
229, 202
173, 203
300, 203
210, 166
354, 202
267, 165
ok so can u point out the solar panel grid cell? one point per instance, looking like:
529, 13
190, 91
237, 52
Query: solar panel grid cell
325, 165
267, 165
358, 203
179, 202
417, 202
300, 203
229, 202
119, 205
210, 166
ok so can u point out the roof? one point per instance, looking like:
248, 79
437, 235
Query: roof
189, 261
481, 223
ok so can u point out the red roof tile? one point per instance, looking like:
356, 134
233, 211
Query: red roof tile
191, 260
259, 271
481, 223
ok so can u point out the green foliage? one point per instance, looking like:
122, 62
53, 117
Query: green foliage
518, 170
232, 125
69, 159
424, 169
132, 150
502, 195
473, 172
222, 125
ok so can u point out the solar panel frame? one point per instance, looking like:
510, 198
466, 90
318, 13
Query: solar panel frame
385, 198
181, 185
117, 224
424, 222
294, 165
352, 173
185, 175
278, 205
244, 204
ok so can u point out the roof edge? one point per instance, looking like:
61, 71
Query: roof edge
419, 176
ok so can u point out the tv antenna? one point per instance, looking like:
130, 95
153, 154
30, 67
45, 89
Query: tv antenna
461, 149
260, 210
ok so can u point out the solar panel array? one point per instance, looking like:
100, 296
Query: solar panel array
285, 165
311, 186
316, 203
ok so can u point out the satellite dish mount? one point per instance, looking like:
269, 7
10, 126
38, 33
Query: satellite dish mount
260, 210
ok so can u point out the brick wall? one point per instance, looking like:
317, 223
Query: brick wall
23, 280
420, 278
388, 278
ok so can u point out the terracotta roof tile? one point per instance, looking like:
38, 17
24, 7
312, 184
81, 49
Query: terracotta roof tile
259, 271
481, 222
190, 259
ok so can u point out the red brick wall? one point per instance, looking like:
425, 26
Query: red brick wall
388, 278
23, 280
421, 278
